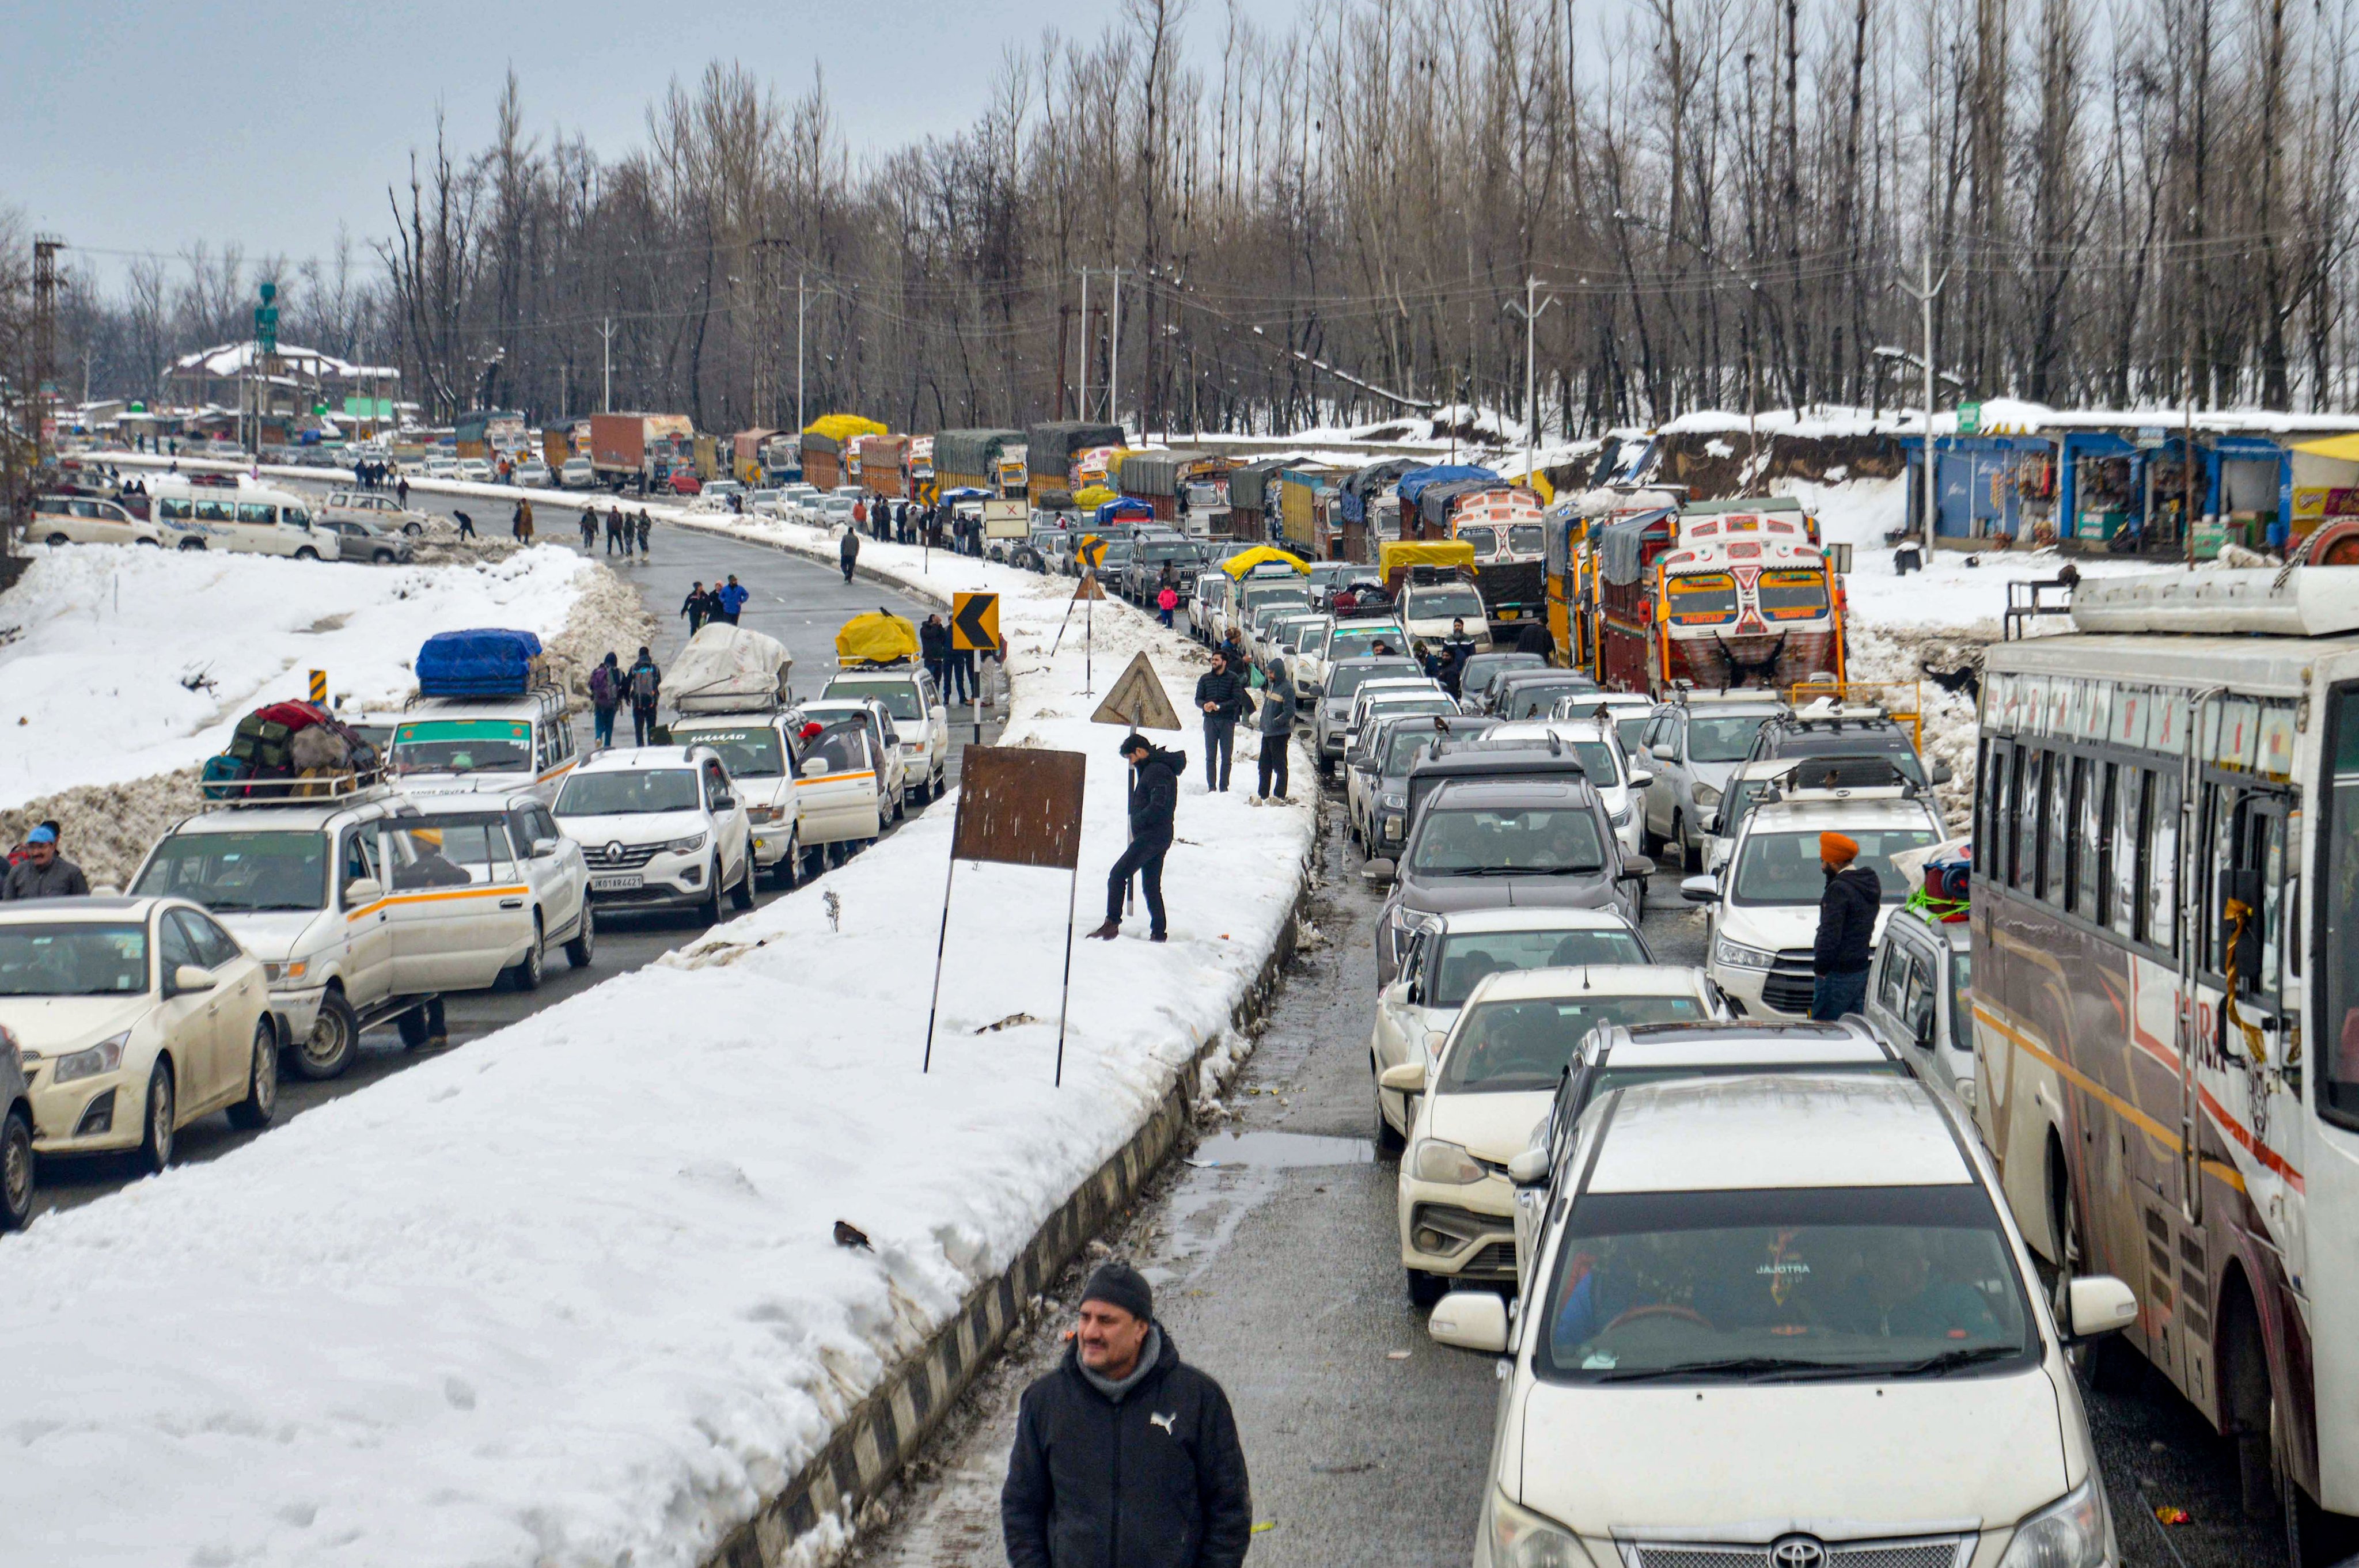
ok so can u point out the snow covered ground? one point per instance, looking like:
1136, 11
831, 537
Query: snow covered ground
569, 1295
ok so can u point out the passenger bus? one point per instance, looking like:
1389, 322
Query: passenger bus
2157, 791
1719, 601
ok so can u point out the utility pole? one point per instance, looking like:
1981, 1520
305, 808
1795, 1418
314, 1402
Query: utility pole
1113, 358
801, 421
606, 331
45, 335
1064, 334
1925, 297
1530, 310
1088, 345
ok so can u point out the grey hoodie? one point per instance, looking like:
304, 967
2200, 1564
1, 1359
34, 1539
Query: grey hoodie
1276, 716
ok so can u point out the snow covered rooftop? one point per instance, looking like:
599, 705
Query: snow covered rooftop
237, 359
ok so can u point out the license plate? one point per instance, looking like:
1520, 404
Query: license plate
616, 882
1509, 614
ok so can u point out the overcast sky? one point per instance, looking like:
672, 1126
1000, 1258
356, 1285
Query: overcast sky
130, 125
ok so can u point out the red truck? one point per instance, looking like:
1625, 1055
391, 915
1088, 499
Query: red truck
624, 446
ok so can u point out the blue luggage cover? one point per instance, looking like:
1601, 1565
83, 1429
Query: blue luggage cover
488, 663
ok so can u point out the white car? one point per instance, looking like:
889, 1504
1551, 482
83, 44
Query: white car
441, 468
386, 512
475, 470
251, 519
579, 473
840, 802
511, 846
661, 828
892, 771
133, 1017
1694, 745
1739, 1319
759, 751
919, 714
1511, 1045
87, 520
1629, 711
1599, 747
1449, 955
534, 474
1765, 900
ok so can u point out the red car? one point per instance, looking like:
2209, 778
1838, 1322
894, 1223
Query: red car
683, 482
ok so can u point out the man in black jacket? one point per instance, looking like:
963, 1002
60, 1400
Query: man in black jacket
1154, 797
934, 648
1221, 697
1847, 911
1125, 1455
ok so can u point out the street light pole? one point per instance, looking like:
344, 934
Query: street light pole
1113, 358
1081, 409
1530, 310
1925, 297
606, 347
801, 419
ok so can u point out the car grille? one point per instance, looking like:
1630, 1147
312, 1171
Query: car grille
1922, 1552
633, 857
1789, 986
1496, 1261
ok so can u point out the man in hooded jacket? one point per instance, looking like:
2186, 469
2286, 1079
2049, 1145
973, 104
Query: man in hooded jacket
1847, 913
1124, 1454
1154, 798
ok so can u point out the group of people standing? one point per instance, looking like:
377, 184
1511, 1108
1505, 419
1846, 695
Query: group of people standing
889, 520
370, 474
723, 602
622, 531
612, 687
949, 665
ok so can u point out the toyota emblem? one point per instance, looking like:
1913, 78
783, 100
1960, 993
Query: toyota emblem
1798, 1552
614, 852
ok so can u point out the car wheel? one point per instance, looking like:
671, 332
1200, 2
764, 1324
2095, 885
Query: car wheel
741, 897
783, 875
585, 943
1426, 1291
525, 974
1388, 1140
16, 1172
900, 805
156, 1141
414, 529
383, 558
711, 908
151, 544
328, 1051
193, 543
57, 539
307, 554
261, 1102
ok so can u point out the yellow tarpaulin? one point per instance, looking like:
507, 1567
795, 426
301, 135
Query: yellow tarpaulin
1093, 495
2344, 448
877, 638
1397, 555
841, 428
1236, 566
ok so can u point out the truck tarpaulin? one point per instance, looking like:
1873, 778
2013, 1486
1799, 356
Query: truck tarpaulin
486, 662
1434, 501
729, 670
884, 465
1364, 483
1414, 483
1049, 451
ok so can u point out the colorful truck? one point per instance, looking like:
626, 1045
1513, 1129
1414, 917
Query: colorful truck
625, 448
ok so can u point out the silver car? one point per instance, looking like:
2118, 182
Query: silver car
1694, 748
360, 541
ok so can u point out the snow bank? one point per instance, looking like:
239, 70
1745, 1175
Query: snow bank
569, 1295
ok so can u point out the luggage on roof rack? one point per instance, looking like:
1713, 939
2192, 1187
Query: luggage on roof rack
488, 662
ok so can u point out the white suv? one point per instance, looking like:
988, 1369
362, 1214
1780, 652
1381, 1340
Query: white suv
918, 713
1752, 1293
661, 828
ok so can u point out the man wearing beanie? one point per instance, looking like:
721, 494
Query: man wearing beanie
1847, 911
1154, 798
1125, 1455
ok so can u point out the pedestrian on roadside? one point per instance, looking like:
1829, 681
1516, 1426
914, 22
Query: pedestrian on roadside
934, 648
1221, 698
1166, 602
643, 684
466, 525
615, 531
647, 531
731, 599
859, 515
848, 550
589, 523
963, 674
1124, 1454
1154, 798
693, 607
520, 522
605, 695
1276, 722
400, 490
1847, 913
43, 872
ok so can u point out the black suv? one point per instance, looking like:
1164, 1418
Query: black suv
1808, 734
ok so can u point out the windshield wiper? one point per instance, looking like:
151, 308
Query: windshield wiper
1733, 1366
1950, 1361
1568, 871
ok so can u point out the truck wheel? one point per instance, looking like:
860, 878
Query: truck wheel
16, 1172
584, 945
328, 1051
261, 1102
525, 974
155, 1141
741, 897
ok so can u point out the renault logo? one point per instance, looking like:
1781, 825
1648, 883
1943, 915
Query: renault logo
1798, 1552
614, 852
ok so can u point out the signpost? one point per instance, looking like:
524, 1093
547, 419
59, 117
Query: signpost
1970, 419
1007, 519
975, 623
1137, 700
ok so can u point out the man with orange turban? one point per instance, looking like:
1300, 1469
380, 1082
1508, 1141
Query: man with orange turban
1847, 911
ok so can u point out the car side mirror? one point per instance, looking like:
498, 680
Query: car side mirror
1941, 773
190, 978
1708, 821
363, 890
814, 767
543, 848
1408, 1078
1529, 1167
2099, 1304
1640, 778
1701, 890
1924, 1029
1379, 870
1471, 1320
1635, 869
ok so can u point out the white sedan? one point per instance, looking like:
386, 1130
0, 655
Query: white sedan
135, 1016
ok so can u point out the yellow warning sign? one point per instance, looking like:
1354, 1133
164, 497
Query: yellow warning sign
975, 622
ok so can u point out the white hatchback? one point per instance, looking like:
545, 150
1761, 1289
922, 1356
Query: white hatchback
661, 828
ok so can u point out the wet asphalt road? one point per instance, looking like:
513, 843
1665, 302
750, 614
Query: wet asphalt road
797, 601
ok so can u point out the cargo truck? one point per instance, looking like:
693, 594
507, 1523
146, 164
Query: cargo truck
639, 448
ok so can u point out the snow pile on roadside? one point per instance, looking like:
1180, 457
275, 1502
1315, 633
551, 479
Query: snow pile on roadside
570, 1295
107, 829
94, 689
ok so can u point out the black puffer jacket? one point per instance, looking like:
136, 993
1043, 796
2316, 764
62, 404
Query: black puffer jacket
1156, 1481
1155, 796
1847, 911
1226, 691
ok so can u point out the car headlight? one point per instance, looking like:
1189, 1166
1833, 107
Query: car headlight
1392, 802
1705, 795
1737, 956
104, 1057
1522, 1539
1622, 818
684, 845
282, 974
2069, 1533
761, 814
1435, 1161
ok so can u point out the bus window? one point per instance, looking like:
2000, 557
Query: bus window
2055, 825
2081, 867
2125, 869
2338, 1031
256, 511
2162, 854
2022, 836
2100, 827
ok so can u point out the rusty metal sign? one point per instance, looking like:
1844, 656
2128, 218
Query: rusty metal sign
1019, 806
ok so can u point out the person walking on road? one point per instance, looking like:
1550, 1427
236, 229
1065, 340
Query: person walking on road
1847, 911
1154, 798
589, 533
848, 551
605, 695
1221, 698
647, 531
521, 524
693, 607
43, 872
615, 534
934, 648
400, 489
643, 684
1276, 723
1124, 1454
1167, 599
731, 599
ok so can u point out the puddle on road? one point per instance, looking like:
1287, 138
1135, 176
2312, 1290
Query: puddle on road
1280, 1150
1230, 1174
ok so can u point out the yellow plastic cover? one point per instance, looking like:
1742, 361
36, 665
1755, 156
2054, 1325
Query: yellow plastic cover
1236, 566
876, 638
841, 428
1397, 555
1090, 495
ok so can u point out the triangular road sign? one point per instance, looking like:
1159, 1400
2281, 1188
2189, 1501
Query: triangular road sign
1088, 588
1137, 700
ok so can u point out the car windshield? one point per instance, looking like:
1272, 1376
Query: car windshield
1478, 841
1402, 746
462, 746
237, 873
1783, 868
1961, 997
900, 698
73, 958
1462, 960
1347, 679
1596, 761
753, 753
1353, 642
1728, 739
1528, 699
1755, 1285
1517, 1047
1483, 668
628, 791
1448, 601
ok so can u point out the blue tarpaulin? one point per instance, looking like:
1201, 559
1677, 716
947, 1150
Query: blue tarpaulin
1413, 485
1109, 511
488, 663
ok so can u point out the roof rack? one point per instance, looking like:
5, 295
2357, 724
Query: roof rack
546, 692
1843, 699
1874, 775
323, 789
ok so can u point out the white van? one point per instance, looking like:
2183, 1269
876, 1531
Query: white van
253, 519
445, 744
759, 751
